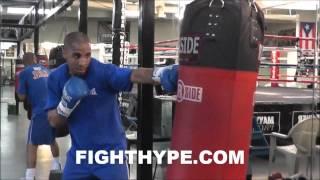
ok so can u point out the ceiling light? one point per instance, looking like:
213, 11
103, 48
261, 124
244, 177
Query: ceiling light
289, 4
132, 14
12, 10
6, 45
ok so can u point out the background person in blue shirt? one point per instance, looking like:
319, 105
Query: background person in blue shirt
83, 94
33, 87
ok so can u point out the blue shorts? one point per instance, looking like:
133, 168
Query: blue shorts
73, 171
40, 131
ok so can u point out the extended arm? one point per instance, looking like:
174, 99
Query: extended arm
143, 76
166, 76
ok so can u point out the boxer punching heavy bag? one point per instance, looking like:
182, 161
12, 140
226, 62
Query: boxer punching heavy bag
218, 56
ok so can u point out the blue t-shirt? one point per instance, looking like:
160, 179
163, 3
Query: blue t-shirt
33, 84
95, 123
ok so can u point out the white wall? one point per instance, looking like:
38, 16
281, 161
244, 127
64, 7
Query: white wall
274, 28
307, 16
164, 30
56, 28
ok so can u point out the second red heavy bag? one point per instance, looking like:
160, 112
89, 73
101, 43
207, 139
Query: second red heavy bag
218, 56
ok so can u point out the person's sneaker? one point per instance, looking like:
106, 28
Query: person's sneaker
25, 178
55, 174
55, 166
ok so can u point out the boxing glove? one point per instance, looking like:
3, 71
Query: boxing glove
168, 77
73, 91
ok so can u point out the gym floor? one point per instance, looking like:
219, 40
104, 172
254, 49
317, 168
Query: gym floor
13, 151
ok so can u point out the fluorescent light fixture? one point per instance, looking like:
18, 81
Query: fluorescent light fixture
132, 14
178, 2
267, 93
289, 4
281, 17
13, 10
49, 45
297, 97
6, 45
46, 11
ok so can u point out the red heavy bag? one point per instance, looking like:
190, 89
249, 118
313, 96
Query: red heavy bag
218, 56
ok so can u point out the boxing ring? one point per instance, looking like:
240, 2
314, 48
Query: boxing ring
277, 109
291, 75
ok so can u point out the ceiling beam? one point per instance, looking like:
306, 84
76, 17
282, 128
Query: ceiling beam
8, 40
16, 25
63, 5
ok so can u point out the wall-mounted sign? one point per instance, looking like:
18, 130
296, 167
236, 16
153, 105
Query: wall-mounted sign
298, 116
268, 121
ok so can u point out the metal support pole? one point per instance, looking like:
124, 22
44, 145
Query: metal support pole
116, 28
36, 31
18, 49
83, 16
18, 55
145, 92
316, 49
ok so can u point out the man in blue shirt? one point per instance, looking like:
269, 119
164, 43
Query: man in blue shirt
83, 94
33, 87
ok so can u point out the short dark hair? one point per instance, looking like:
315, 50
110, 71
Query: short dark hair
56, 57
75, 37
28, 58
